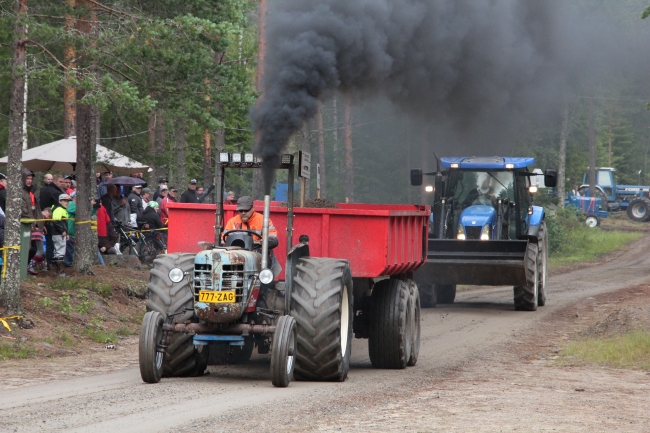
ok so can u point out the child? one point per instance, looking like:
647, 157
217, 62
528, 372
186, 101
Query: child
60, 228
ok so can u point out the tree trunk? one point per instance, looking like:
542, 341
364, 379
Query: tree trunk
69, 91
321, 151
305, 146
348, 162
85, 240
181, 173
592, 149
10, 290
151, 137
86, 130
561, 169
207, 160
159, 146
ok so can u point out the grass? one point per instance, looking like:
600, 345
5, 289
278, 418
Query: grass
571, 241
631, 350
15, 351
100, 335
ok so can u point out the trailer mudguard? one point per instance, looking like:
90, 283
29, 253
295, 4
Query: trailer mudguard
487, 263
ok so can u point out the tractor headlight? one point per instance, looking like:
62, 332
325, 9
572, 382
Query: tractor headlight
461, 233
532, 189
266, 276
428, 188
485, 233
176, 275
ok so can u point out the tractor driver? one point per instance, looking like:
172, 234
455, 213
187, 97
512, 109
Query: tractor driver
482, 194
248, 219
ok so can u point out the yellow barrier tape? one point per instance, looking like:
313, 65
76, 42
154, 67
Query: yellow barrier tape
4, 259
145, 231
3, 320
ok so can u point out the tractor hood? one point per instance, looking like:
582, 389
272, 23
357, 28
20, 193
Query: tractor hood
477, 216
229, 269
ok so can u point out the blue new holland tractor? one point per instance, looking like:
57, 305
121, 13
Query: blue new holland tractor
485, 230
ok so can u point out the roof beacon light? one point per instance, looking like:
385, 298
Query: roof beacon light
249, 158
428, 188
532, 189
454, 165
224, 157
510, 166
236, 158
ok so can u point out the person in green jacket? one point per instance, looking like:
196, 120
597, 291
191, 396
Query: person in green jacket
72, 230
59, 229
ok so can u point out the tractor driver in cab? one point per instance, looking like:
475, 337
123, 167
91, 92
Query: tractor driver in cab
483, 194
248, 219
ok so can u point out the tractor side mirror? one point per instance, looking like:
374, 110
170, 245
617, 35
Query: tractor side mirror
416, 177
550, 178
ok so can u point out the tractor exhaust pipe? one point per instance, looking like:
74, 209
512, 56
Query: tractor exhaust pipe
265, 232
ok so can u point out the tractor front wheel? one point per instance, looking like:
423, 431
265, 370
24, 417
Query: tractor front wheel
526, 296
149, 350
389, 342
283, 352
542, 264
322, 304
181, 357
446, 293
428, 296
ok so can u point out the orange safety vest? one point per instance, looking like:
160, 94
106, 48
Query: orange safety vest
255, 223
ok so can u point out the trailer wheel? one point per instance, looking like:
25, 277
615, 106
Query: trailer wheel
542, 264
639, 209
592, 220
428, 298
151, 360
389, 343
181, 357
446, 293
322, 304
414, 307
283, 352
526, 296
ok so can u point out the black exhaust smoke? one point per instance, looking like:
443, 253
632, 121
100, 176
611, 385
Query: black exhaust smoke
464, 62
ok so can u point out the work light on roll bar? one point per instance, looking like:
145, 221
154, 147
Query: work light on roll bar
224, 157
236, 158
287, 159
249, 158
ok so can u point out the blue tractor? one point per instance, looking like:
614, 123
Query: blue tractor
630, 198
485, 230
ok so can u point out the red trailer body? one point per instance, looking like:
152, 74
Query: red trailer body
377, 240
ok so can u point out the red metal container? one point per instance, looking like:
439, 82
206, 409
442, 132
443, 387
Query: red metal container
377, 240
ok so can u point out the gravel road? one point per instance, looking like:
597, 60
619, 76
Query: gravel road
477, 336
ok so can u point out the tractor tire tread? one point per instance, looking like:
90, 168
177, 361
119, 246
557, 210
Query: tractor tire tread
525, 297
389, 344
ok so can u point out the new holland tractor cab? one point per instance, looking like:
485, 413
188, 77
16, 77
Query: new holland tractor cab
226, 295
485, 230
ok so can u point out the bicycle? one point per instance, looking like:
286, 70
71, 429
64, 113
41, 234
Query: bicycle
137, 243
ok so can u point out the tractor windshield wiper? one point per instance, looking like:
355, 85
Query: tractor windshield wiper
493, 177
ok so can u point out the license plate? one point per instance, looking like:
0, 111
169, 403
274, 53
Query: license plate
213, 297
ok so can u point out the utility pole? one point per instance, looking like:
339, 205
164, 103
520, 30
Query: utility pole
592, 149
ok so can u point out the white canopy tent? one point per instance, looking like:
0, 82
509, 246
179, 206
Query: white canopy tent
61, 156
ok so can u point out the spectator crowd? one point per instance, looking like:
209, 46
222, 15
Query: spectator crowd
115, 207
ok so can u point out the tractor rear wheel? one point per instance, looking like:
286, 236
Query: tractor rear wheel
414, 307
322, 304
542, 264
445, 293
283, 352
639, 209
181, 357
389, 342
151, 359
526, 296
428, 298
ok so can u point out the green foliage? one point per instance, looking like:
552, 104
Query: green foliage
66, 339
100, 335
85, 307
571, 241
631, 350
45, 301
104, 290
15, 351
64, 306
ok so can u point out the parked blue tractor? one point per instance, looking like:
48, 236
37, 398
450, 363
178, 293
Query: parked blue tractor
485, 230
630, 198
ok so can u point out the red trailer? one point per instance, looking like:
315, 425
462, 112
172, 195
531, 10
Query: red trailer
383, 244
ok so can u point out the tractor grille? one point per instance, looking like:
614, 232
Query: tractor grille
473, 232
232, 278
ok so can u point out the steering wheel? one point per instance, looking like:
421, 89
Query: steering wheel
250, 232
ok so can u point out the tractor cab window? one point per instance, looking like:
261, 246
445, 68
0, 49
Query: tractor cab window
470, 188
604, 180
